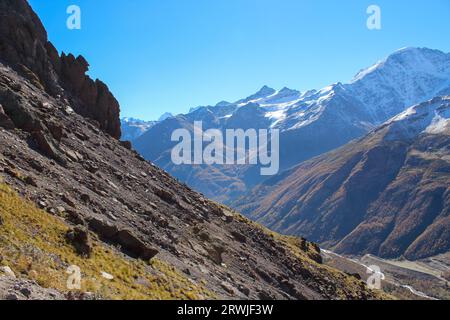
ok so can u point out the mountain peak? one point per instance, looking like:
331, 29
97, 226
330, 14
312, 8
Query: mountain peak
165, 116
223, 104
287, 90
264, 92
411, 59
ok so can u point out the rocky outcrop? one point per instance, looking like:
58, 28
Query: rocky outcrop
95, 99
24, 46
123, 237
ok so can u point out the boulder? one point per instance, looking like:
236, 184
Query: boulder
239, 236
135, 246
56, 130
129, 242
126, 144
166, 196
47, 146
7, 271
75, 217
30, 181
79, 238
104, 229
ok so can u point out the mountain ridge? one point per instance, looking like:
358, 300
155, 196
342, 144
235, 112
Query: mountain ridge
316, 121
384, 194
72, 195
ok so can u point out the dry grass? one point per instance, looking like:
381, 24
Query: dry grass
32, 243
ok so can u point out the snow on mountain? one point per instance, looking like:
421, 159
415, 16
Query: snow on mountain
432, 117
384, 194
165, 116
133, 128
264, 92
316, 121
407, 77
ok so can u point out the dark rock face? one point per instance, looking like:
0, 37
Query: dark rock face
24, 46
95, 99
23, 43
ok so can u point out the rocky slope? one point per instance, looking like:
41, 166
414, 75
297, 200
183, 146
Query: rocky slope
386, 194
25, 47
314, 121
72, 194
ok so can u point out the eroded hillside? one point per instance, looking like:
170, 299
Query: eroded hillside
72, 194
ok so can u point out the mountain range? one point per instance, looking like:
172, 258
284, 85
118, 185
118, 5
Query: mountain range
386, 194
315, 121
76, 200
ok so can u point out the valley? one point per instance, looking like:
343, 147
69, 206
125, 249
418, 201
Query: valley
339, 193
422, 279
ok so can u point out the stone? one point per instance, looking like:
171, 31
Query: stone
7, 271
165, 195
60, 210
85, 198
68, 200
75, 217
228, 288
239, 236
228, 216
126, 144
26, 292
79, 238
56, 130
31, 181
123, 237
104, 229
131, 243
106, 275
244, 290
46, 145
11, 297
87, 296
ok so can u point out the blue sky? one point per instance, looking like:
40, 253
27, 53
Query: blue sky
169, 55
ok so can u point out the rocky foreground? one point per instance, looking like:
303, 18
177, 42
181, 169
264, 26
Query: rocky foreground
71, 194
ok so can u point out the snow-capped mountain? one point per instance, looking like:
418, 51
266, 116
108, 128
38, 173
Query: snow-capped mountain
165, 116
310, 123
133, 128
385, 194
